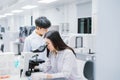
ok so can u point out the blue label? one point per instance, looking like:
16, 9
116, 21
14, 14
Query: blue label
16, 64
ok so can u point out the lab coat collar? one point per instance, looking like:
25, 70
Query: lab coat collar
36, 35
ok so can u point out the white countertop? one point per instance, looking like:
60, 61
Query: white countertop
15, 77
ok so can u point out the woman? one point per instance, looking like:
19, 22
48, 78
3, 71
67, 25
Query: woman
62, 60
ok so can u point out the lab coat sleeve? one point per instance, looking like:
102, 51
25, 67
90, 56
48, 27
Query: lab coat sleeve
41, 75
45, 67
27, 45
68, 63
38, 76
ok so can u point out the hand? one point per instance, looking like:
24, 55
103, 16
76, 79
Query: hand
49, 76
38, 76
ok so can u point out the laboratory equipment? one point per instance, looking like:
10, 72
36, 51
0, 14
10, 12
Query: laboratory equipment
9, 64
81, 43
30, 60
40, 49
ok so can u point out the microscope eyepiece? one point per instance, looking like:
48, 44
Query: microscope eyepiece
40, 49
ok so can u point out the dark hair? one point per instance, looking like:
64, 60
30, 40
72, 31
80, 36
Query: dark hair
42, 22
57, 41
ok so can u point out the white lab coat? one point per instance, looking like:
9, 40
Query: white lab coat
63, 65
33, 42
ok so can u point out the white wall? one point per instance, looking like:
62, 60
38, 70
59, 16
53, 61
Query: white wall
84, 9
3, 22
69, 13
108, 40
13, 22
62, 14
27, 20
55, 14
35, 14
72, 17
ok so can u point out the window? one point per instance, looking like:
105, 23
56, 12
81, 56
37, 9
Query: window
84, 25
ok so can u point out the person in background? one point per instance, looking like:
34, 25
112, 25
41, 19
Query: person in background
35, 40
61, 64
1, 45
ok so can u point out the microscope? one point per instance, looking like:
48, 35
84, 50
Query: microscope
35, 62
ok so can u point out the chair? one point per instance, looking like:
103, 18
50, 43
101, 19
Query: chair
88, 70
2, 48
80, 67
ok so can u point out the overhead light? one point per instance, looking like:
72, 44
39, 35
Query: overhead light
2, 16
6, 14
46, 1
9, 14
29, 7
17, 11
